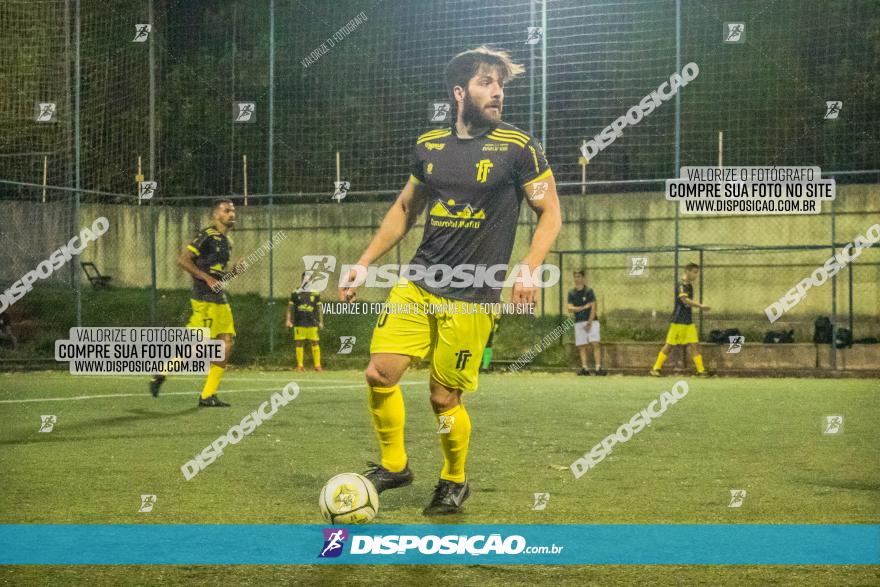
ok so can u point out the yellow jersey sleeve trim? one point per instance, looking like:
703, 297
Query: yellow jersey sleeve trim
512, 133
544, 175
433, 137
436, 131
193, 249
414, 179
683, 294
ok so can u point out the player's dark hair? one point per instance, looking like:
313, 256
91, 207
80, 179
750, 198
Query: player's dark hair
466, 64
579, 272
216, 203
691, 266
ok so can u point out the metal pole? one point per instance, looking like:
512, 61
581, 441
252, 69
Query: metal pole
702, 271
677, 150
544, 76
152, 212
851, 263
532, 73
561, 313
76, 156
833, 292
271, 169
232, 162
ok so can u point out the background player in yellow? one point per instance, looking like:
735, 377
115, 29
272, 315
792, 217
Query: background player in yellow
472, 177
305, 317
682, 330
205, 258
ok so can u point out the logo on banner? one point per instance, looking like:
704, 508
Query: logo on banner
737, 497
245, 112
146, 190
346, 345
341, 190
736, 344
534, 35
319, 268
446, 424
141, 33
439, 111
735, 32
45, 111
832, 109
47, 423
639, 266
832, 425
541, 501
334, 539
147, 503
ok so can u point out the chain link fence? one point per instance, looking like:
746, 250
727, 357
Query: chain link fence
339, 91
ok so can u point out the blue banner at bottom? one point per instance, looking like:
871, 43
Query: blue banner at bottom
166, 544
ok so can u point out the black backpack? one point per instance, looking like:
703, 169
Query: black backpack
824, 331
844, 338
779, 336
723, 336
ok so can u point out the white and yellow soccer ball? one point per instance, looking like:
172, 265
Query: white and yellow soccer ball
349, 498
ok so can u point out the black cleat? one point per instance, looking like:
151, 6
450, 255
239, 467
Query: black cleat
383, 479
601, 372
705, 374
155, 383
584, 371
448, 497
212, 402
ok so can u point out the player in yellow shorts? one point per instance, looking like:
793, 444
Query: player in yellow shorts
682, 331
205, 258
305, 317
472, 178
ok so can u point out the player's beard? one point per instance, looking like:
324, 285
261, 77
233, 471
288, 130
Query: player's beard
473, 115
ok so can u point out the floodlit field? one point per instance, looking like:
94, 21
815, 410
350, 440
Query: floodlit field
112, 442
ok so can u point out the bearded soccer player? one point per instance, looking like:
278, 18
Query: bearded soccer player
205, 259
682, 330
472, 177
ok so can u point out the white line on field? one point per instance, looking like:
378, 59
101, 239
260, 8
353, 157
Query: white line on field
225, 391
175, 376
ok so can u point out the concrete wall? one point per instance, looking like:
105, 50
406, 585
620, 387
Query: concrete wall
736, 283
638, 357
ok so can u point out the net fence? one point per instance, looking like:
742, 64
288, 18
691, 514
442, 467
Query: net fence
354, 83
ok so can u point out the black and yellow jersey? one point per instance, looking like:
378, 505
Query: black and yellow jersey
682, 314
477, 188
212, 250
306, 308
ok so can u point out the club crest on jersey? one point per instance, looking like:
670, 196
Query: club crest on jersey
483, 168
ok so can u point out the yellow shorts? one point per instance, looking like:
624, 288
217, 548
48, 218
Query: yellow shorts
456, 331
682, 334
305, 333
217, 317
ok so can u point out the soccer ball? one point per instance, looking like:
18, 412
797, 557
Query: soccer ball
349, 498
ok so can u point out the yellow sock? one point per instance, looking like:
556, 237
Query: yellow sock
316, 355
212, 382
698, 361
658, 364
389, 415
454, 443
300, 353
